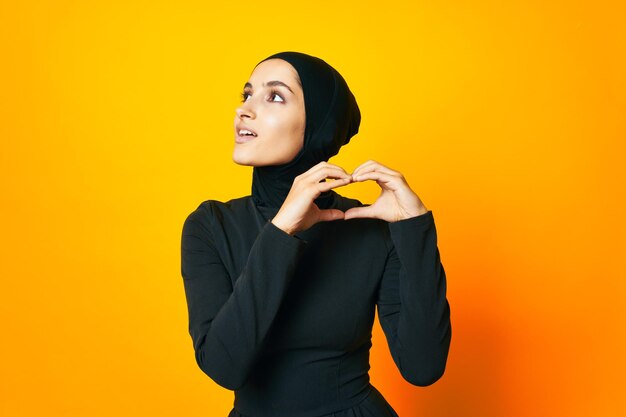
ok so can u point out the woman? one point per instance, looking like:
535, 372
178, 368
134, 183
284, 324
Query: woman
281, 285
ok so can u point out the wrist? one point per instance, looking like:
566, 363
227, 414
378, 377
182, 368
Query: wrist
419, 212
282, 227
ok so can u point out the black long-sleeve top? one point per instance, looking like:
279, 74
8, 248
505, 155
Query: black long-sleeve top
286, 320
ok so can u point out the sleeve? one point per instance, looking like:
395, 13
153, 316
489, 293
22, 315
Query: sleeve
228, 323
413, 310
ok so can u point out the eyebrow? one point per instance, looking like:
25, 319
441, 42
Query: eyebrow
274, 83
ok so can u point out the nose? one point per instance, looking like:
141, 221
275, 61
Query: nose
243, 111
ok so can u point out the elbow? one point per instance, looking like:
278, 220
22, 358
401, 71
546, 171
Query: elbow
433, 361
425, 376
229, 377
430, 367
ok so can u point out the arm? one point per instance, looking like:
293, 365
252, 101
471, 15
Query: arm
412, 307
227, 323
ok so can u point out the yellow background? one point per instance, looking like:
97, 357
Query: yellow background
507, 119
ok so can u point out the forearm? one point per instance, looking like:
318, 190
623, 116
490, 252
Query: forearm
423, 328
228, 330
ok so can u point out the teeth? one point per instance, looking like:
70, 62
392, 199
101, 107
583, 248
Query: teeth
246, 132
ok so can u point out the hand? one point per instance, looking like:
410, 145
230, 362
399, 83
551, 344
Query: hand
396, 201
299, 211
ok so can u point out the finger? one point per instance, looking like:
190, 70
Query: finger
330, 215
360, 212
320, 167
305, 175
337, 166
390, 181
363, 165
328, 172
378, 168
317, 170
375, 166
325, 186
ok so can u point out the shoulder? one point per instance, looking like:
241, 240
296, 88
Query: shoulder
210, 212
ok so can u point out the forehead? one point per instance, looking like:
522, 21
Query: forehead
274, 69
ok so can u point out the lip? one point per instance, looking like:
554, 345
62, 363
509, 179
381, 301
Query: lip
243, 138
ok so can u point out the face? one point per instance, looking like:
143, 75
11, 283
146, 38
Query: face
273, 109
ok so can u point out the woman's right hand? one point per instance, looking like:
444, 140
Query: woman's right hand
299, 211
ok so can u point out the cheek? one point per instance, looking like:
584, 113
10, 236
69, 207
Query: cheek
281, 125
274, 122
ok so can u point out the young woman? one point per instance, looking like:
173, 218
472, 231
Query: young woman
281, 285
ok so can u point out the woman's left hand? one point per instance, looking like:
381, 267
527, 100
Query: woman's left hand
396, 201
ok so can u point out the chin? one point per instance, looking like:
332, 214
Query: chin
239, 160
245, 159
241, 157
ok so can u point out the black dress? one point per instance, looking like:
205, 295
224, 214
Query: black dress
286, 321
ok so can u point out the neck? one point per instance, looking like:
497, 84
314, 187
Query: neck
271, 185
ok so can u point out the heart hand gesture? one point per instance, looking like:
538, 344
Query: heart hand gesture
396, 201
299, 211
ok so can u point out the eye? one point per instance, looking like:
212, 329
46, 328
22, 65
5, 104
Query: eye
245, 95
275, 93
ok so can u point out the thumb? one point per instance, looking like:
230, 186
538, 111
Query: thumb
330, 215
356, 212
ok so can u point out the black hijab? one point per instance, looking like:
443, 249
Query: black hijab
332, 118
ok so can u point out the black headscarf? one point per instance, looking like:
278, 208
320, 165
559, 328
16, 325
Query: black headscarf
332, 118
